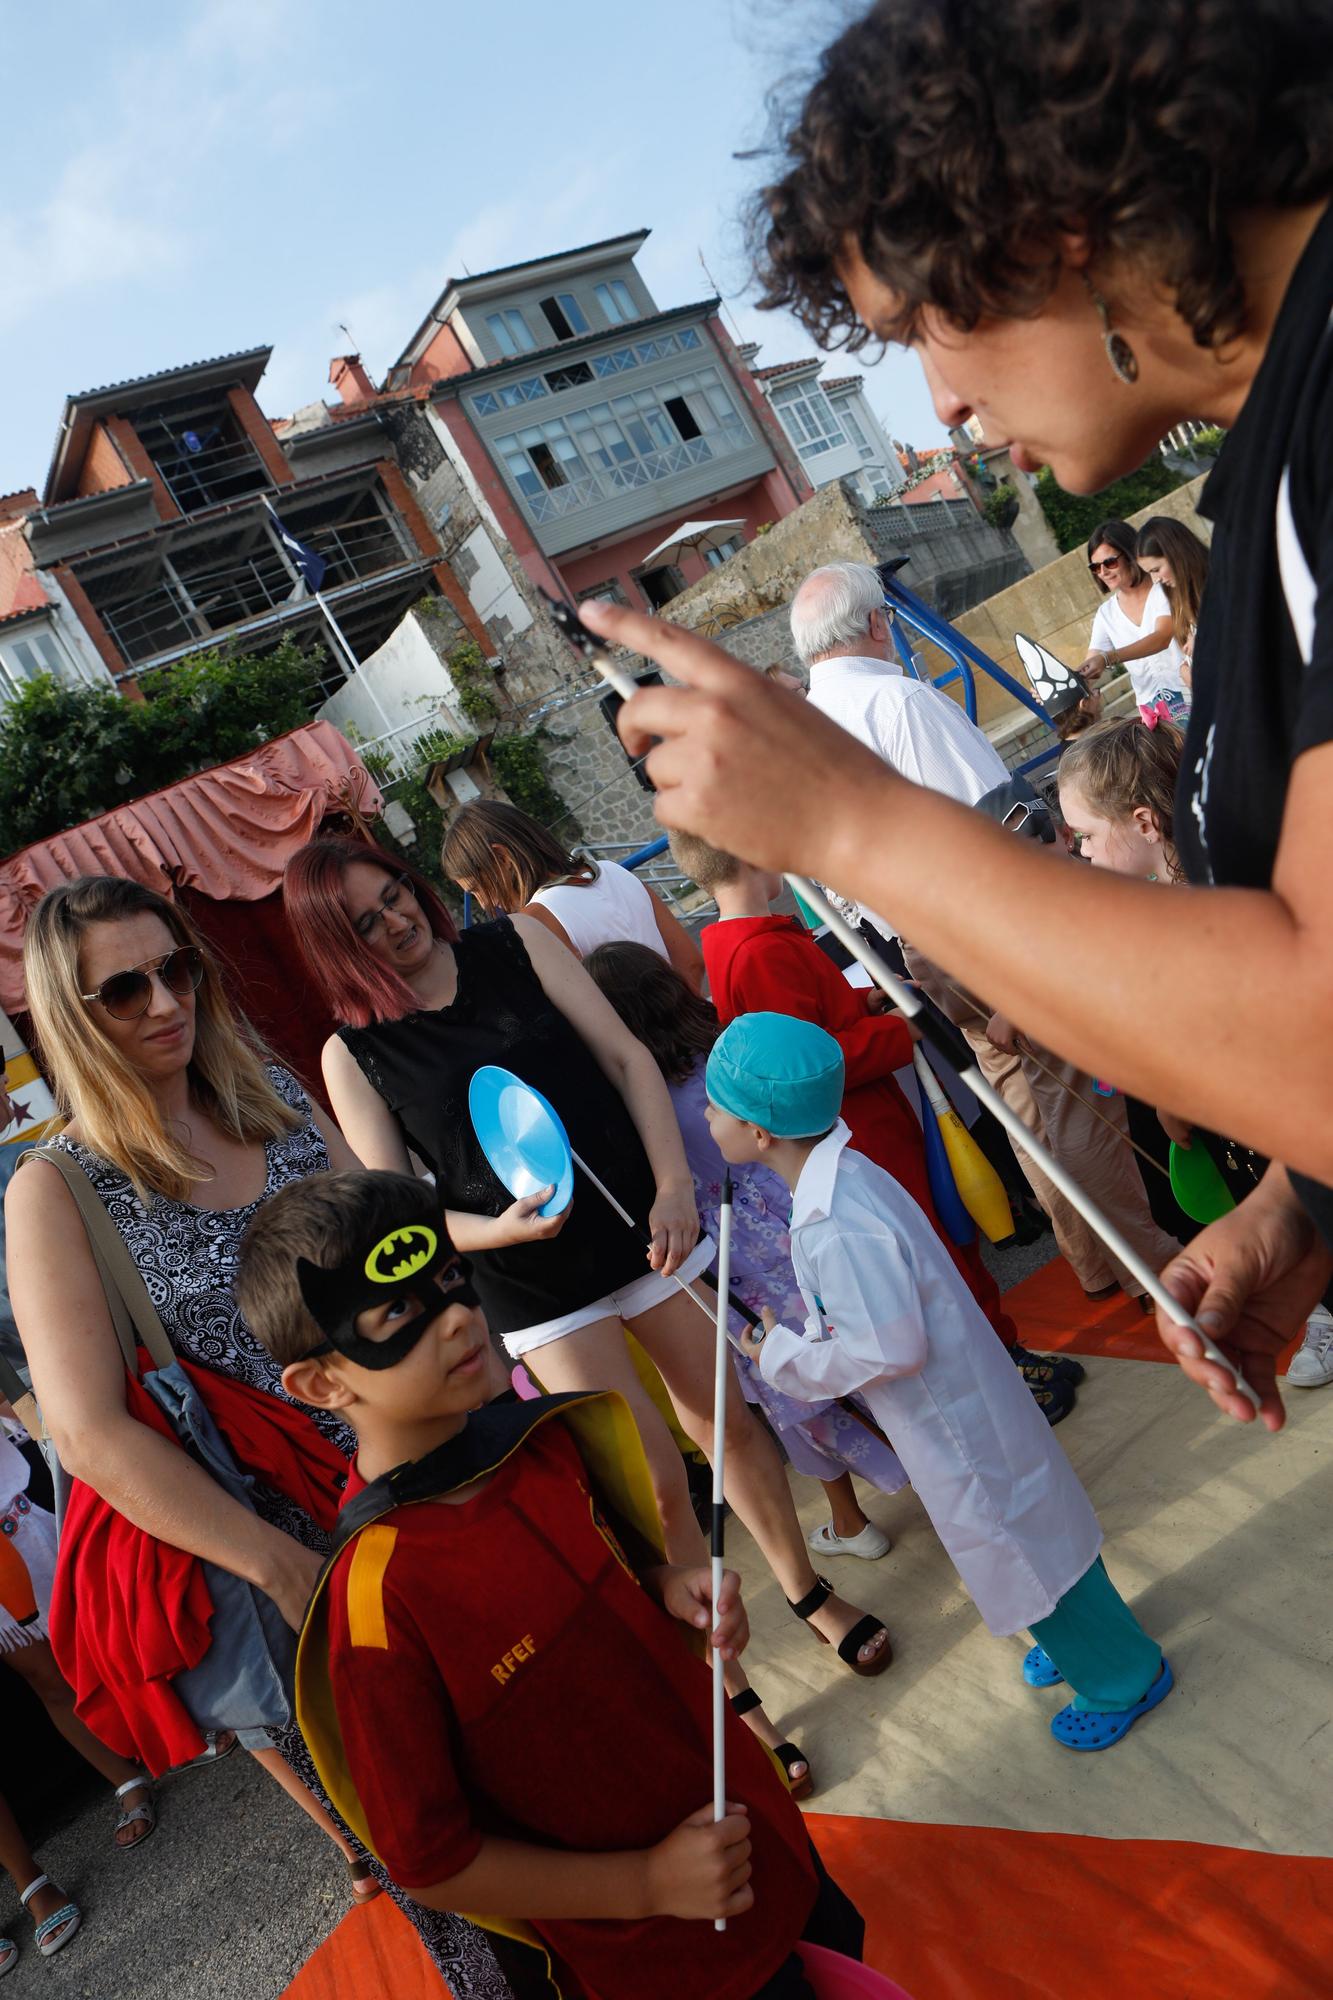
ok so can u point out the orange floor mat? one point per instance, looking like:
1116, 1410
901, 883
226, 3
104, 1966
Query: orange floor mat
963, 1913
977, 1913
1053, 1312
973, 1913
371, 1954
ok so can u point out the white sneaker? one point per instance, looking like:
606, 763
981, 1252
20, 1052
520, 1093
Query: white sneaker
870, 1544
1312, 1364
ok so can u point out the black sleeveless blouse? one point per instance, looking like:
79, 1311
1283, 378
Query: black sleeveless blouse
421, 1066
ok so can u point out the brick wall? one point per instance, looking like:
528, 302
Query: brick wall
103, 466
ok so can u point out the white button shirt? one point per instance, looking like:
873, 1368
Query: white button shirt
890, 1319
917, 730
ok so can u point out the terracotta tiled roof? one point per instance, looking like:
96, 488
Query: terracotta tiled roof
786, 367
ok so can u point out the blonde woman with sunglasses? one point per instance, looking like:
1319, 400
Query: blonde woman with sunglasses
184, 1128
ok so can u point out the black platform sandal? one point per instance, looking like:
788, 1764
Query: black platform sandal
787, 1754
860, 1635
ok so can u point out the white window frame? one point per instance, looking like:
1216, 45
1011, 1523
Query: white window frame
813, 427
502, 329
619, 311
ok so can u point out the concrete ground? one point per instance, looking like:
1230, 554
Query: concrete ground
226, 1901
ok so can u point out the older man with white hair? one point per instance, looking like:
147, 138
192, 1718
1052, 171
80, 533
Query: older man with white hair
842, 634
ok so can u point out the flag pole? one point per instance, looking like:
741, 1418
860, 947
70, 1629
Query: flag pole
345, 648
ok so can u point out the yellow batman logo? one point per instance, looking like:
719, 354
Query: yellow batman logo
401, 1255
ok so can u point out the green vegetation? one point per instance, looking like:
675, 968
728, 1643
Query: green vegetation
468, 671
1001, 506
470, 675
68, 754
1073, 517
520, 765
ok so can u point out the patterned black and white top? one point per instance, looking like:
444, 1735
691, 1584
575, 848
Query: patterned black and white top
187, 1258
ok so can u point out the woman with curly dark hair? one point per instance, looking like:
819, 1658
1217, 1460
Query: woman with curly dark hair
1091, 224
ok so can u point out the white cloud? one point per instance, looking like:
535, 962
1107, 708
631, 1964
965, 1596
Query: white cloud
133, 205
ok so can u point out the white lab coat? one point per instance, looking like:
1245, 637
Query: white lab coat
891, 1319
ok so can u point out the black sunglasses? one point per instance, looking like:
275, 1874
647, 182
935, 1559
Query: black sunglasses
1111, 562
126, 995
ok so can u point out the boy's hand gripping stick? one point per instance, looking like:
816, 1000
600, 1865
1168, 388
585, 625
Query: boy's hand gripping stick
909, 1003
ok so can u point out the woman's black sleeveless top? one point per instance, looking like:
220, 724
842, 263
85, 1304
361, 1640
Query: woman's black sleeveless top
421, 1066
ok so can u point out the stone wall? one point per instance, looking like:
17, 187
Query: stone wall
954, 559
1055, 606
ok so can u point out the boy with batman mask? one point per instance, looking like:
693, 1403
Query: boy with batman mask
488, 1679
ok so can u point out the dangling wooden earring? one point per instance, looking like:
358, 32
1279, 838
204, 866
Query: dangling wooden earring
1124, 362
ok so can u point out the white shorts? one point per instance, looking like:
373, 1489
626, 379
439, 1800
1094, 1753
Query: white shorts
631, 1300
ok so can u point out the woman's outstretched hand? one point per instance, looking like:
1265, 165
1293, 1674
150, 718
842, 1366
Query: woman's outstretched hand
673, 1226
752, 767
1250, 1280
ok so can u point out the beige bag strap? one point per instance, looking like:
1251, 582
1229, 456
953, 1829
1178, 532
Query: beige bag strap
133, 1313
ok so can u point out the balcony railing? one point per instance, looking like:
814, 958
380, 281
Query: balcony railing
199, 600
214, 474
587, 487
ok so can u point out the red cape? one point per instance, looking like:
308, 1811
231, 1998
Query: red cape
129, 1613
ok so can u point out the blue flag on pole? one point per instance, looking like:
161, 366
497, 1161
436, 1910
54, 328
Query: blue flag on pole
310, 565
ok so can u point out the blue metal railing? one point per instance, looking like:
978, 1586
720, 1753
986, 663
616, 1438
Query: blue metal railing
904, 604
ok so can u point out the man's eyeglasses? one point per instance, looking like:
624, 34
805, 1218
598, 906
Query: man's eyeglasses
371, 922
126, 995
1111, 562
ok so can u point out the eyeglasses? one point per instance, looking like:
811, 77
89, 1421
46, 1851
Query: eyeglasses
1024, 811
1111, 562
126, 995
371, 922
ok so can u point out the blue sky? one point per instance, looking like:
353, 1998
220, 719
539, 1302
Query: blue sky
188, 177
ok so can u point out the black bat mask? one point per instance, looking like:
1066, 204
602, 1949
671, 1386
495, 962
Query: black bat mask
415, 1264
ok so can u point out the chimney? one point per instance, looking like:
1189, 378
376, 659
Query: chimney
348, 376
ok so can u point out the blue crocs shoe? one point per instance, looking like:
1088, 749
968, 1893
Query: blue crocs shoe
1040, 1670
1094, 1729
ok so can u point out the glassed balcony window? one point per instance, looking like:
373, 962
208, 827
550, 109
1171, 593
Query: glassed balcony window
855, 431
487, 402
807, 417
628, 441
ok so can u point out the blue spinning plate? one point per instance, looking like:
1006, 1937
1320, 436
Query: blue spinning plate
522, 1136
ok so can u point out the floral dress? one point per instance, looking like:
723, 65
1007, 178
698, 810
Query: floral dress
822, 1440
187, 1258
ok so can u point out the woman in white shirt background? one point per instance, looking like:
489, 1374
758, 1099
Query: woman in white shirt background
512, 865
1134, 627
